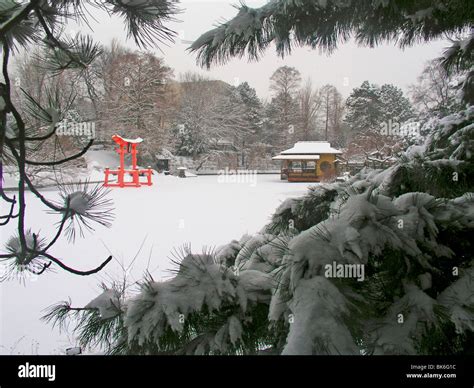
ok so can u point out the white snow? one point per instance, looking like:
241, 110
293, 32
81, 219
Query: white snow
456, 297
311, 147
318, 308
108, 304
131, 141
397, 337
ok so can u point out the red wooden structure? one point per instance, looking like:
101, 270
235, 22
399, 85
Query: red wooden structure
127, 146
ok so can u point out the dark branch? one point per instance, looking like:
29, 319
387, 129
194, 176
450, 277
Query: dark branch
10, 215
61, 227
45, 267
72, 270
5, 197
22, 147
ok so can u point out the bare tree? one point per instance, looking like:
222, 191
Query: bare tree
435, 91
285, 83
336, 119
332, 110
33, 87
285, 80
203, 125
310, 102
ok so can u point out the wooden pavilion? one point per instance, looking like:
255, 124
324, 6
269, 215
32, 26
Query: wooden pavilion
308, 161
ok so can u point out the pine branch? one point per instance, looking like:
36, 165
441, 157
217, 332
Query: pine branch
323, 25
72, 270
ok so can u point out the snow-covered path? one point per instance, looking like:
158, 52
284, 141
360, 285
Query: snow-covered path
201, 211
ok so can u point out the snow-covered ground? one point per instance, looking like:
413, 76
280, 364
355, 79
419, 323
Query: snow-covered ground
203, 211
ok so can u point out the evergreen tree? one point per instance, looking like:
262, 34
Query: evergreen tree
369, 107
253, 106
364, 108
395, 106
249, 128
377, 117
189, 132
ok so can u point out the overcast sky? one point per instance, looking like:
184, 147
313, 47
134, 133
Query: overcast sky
346, 68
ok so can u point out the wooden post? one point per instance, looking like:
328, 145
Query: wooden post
149, 172
107, 172
134, 156
122, 166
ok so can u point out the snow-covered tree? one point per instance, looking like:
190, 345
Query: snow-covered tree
34, 85
395, 106
287, 24
135, 99
194, 123
377, 118
364, 108
248, 127
336, 120
458, 58
253, 106
200, 124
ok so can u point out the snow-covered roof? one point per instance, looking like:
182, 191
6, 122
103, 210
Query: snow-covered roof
132, 141
296, 156
311, 148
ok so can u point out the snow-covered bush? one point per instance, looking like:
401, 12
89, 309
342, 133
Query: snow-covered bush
404, 234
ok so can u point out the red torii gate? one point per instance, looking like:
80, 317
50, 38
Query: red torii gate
127, 146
